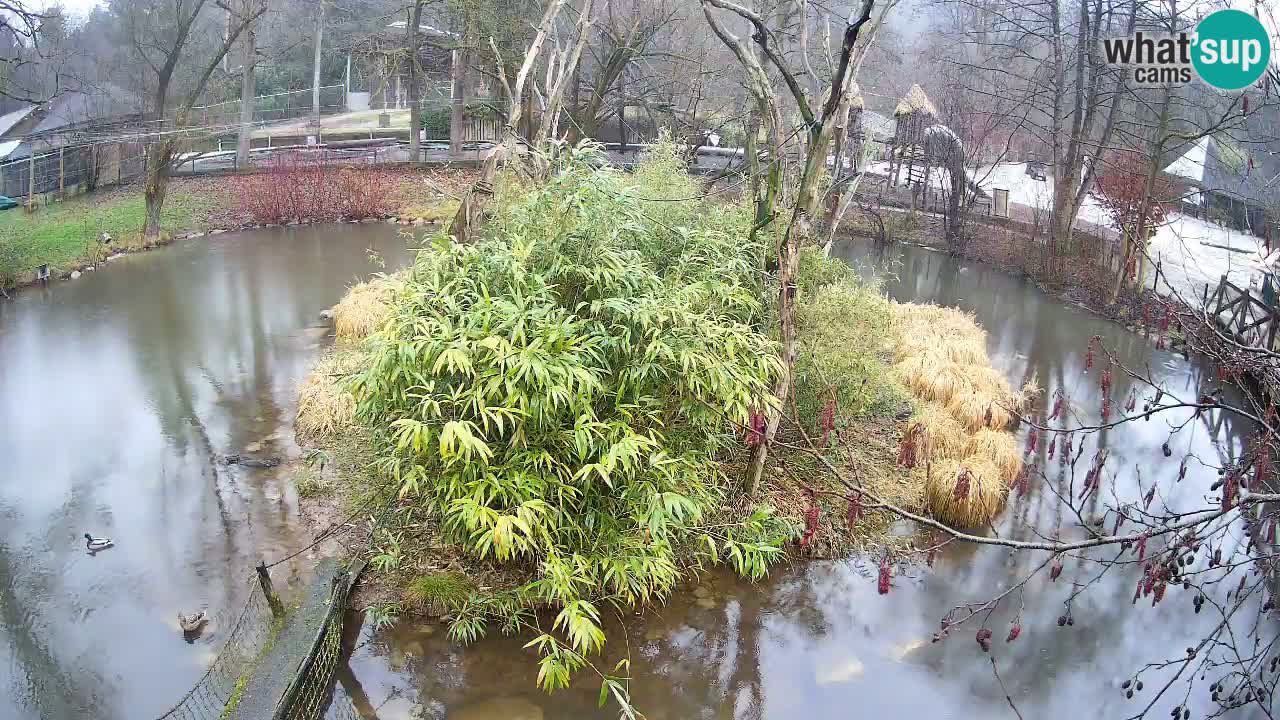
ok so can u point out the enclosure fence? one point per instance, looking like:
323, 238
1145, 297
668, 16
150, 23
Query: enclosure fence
72, 168
272, 108
247, 640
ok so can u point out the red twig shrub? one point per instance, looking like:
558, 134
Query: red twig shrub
309, 186
1120, 192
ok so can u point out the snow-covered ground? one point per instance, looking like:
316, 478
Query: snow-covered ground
1192, 253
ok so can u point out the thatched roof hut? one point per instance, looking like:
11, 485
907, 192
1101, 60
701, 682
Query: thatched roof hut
915, 101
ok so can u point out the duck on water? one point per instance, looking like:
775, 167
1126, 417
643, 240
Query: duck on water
94, 544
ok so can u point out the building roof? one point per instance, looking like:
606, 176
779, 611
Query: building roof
425, 29
8, 120
1217, 164
915, 101
78, 106
7, 147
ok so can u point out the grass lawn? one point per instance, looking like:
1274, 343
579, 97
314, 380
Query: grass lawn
64, 234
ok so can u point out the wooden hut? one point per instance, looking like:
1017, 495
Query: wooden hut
914, 113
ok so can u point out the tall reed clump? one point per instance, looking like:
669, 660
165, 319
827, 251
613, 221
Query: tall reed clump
556, 395
958, 443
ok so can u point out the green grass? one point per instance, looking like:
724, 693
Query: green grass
64, 234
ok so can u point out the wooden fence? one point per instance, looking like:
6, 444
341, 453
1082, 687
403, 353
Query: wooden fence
1248, 318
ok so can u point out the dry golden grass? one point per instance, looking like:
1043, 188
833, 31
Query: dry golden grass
938, 434
364, 307
977, 410
1000, 448
965, 410
325, 406
974, 506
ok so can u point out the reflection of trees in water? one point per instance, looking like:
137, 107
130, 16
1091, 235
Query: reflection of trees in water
45, 686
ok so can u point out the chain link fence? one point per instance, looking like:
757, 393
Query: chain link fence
310, 694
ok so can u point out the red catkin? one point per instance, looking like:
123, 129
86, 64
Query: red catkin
1146, 501
1014, 632
1032, 438
811, 521
1055, 569
755, 433
882, 584
961, 490
1057, 405
854, 512
827, 421
984, 639
1053, 444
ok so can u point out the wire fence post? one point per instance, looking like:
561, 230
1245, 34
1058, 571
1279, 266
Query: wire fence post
31, 180
264, 579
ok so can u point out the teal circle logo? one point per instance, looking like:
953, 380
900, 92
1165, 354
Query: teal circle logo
1232, 49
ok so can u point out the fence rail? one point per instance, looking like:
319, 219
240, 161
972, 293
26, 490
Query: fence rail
1250, 319
274, 107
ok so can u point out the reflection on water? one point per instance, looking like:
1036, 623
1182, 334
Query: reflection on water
817, 641
117, 393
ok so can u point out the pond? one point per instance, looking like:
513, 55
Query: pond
817, 641
120, 391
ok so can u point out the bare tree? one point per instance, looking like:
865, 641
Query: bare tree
820, 127
162, 32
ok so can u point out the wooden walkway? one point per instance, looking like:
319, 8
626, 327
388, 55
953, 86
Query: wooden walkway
1245, 316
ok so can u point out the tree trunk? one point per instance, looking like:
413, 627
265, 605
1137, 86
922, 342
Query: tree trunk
248, 91
415, 107
457, 107
157, 186
315, 69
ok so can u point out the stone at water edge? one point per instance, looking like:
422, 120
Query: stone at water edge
253, 447
75, 274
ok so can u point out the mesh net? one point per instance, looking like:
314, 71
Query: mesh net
249, 636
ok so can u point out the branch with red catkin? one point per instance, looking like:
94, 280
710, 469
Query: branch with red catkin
1094, 342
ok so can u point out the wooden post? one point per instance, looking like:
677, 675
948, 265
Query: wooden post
62, 171
31, 181
264, 579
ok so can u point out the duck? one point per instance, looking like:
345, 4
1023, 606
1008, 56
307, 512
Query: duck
193, 623
94, 544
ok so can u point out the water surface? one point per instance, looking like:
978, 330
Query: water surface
816, 640
118, 393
